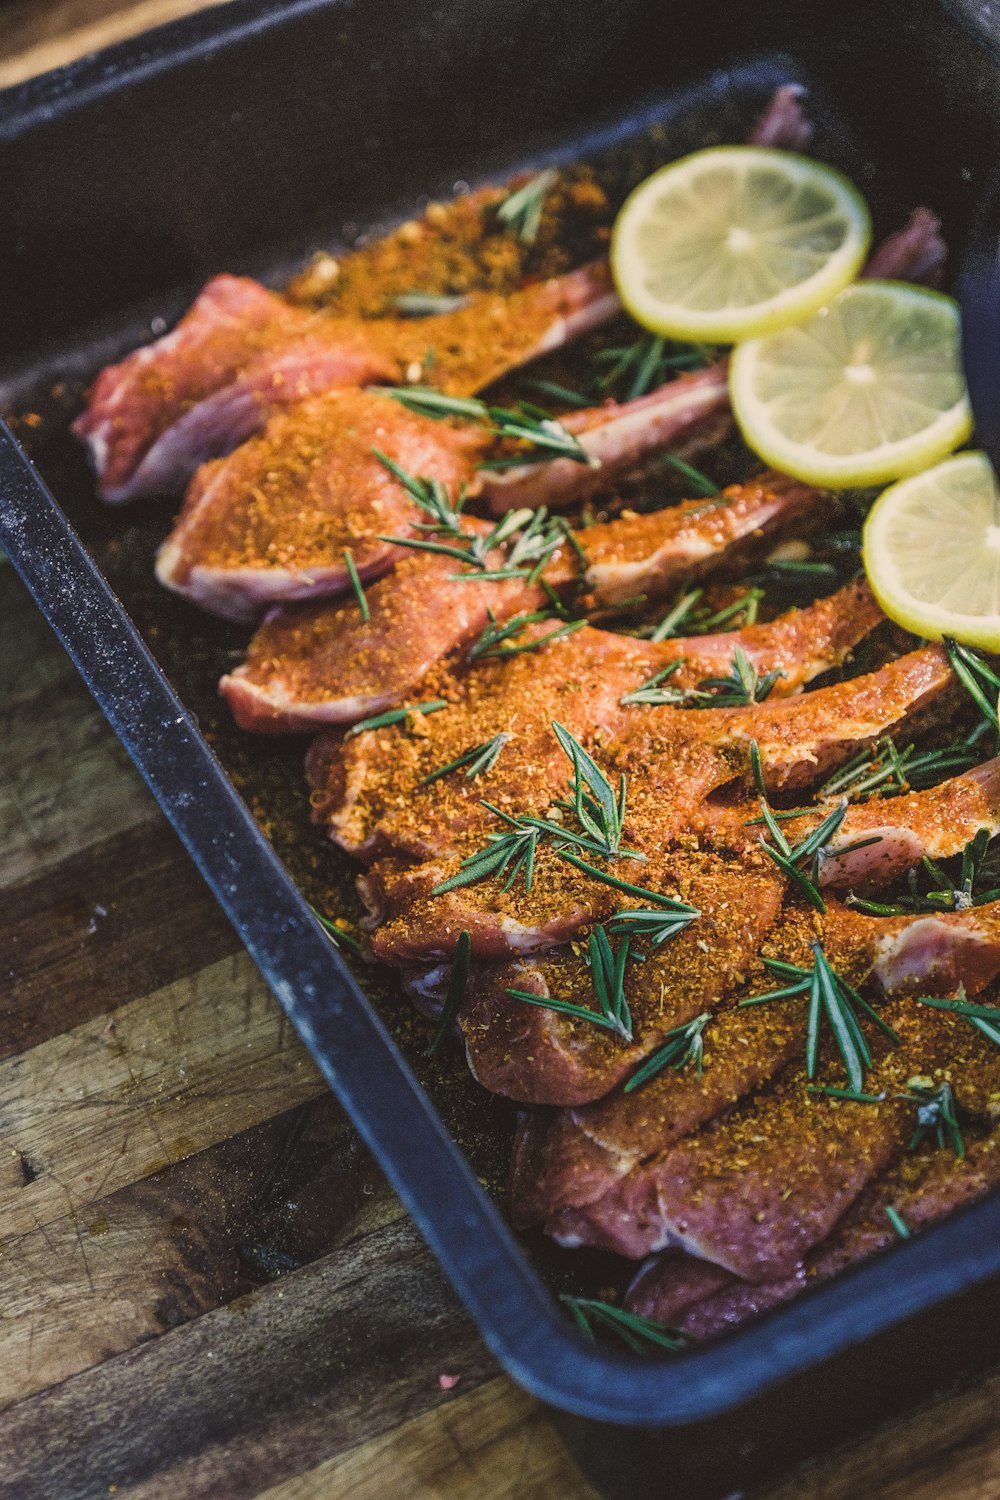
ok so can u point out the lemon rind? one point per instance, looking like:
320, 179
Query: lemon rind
791, 305
927, 620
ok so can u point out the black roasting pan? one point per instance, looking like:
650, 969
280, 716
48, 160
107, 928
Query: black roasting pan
240, 139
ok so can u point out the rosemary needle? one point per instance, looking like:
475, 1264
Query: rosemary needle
476, 762
684, 1046
356, 585
639, 1333
521, 211
896, 1220
397, 715
337, 934
456, 992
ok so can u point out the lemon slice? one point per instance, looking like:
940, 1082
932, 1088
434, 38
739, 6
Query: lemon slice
932, 552
736, 241
869, 389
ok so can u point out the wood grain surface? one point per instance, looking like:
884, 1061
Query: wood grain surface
206, 1288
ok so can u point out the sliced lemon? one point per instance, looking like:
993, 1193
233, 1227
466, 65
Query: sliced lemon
932, 551
869, 389
736, 241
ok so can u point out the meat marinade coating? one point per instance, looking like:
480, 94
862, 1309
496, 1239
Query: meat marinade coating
757, 1189
241, 350
241, 353
279, 498
540, 1056
323, 663
579, 1152
274, 520
627, 1174
702, 1299
318, 663
370, 799
369, 792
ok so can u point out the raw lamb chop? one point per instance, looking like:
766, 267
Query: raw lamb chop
242, 352
325, 664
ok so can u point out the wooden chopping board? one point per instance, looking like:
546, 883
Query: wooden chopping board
206, 1289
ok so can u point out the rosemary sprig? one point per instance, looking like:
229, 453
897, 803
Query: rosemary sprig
604, 877
757, 770
896, 1220
985, 1018
651, 691
700, 483
746, 607
478, 761
356, 585
676, 616
935, 1115
632, 370
524, 422
397, 715
890, 771
607, 975
556, 392
829, 996
427, 304
801, 863
532, 535
538, 536
456, 992
432, 497
511, 854
496, 640
607, 978
796, 571
684, 1047
685, 617
978, 870
638, 1333
850, 1094
975, 676
656, 924
528, 423
521, 212
598, 809
743, 687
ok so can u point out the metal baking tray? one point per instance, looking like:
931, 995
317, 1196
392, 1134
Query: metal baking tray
131, 177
